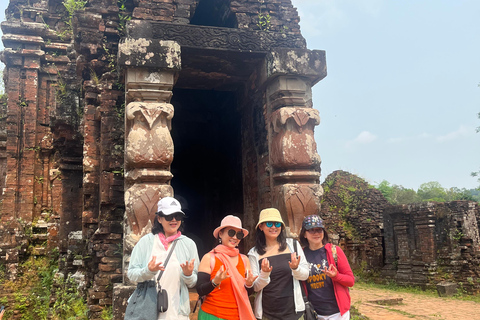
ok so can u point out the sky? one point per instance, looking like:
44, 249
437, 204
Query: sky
401, 97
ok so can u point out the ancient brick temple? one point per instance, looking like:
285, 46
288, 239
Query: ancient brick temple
433, 242
112, 105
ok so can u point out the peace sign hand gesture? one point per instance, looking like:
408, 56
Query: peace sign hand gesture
294, 262
331, 271
221, 275
154, 266
187, 267
250, 278
266, 265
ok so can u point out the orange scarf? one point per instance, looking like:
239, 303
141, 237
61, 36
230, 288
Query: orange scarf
222, 252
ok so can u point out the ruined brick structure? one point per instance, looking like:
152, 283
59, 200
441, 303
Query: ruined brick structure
118, 104
353, 214
431, 242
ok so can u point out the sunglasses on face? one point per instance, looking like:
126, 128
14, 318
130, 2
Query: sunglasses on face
177, 216
232, 233
270, 224
316, 230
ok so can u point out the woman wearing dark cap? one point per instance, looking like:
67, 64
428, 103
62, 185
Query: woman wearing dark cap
224, 276
150, 252
279, 269
330, 273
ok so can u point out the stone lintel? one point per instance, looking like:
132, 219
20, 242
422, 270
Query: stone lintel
158, 54
217, 38
310, 64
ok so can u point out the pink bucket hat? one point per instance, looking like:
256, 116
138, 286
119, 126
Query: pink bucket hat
230, 221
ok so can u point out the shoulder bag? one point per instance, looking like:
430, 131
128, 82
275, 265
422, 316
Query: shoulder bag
145, 302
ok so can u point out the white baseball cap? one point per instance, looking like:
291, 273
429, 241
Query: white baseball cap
168, 206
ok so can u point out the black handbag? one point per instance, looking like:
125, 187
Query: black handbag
310, 313
145, 302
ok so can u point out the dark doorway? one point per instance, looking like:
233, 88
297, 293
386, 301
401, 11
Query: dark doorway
207, 167
215, 13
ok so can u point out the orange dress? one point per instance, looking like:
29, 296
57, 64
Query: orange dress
221, 301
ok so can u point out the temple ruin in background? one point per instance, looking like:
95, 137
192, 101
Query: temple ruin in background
111, 105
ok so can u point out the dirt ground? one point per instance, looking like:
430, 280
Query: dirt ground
414, 306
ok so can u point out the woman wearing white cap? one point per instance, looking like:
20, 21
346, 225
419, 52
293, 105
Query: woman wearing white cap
279, 270
224, 276
330, 272
150, 252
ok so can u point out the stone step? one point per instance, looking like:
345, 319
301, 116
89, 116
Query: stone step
39, 237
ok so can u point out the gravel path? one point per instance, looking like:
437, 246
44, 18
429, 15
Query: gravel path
413, 306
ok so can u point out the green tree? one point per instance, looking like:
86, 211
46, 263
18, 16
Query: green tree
386, 189
396, 194
432, 191
401, 195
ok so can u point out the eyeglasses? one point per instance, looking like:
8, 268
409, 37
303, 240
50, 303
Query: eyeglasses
232, 233
177, 216
270, 224
315, 230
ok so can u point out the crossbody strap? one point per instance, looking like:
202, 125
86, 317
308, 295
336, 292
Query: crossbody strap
304, 293
166, 261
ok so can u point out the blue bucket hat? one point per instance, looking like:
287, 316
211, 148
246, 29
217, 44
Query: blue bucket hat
312, 221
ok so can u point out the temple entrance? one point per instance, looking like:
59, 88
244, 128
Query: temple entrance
207, 166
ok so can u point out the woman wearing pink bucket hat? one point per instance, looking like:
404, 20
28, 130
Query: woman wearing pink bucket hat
224, 275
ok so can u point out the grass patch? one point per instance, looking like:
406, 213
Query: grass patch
392, 286
40, 293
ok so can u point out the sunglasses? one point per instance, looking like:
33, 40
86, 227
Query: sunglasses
177, 216
315, 230
270, 224
232, 233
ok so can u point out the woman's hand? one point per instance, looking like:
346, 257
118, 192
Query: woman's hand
187, 267
250, 278
295, 261
266, 265
153, 266
1, 314
221, 275
331, 271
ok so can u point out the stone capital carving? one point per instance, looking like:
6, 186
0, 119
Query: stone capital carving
153, 53
148, 141
298, 116
150, 112
309, 64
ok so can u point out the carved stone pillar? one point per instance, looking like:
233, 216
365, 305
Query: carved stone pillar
294, 162
151, 72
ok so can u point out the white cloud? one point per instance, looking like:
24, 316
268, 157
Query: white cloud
461, 132
364, 137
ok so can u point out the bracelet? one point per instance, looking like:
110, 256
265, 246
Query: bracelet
214, 284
